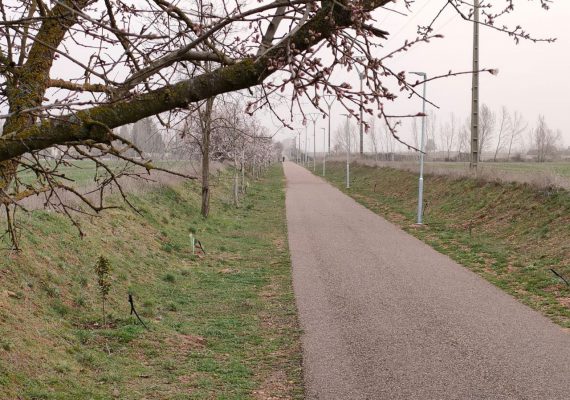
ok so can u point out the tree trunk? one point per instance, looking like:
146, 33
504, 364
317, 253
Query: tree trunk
205, 184
206, 127
236, 182
242, 173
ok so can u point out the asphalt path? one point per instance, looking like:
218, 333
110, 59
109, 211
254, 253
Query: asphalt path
385, 316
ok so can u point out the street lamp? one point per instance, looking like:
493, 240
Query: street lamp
421, 180
306, 141
329, 99
298, 155
324, 150
361, 75
314, 117
347, 152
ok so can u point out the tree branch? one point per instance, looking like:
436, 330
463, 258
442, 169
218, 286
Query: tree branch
78, 87
93, 124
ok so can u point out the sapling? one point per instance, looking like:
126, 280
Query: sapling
103, 271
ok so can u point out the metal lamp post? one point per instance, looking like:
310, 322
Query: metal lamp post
421, 179
361, 75
298, 154
324, 150
306, 141
329, 99
314, 117
347, 153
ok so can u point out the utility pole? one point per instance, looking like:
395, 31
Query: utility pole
475, 90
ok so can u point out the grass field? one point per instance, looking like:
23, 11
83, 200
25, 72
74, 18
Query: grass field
222, 325
559, 168
539, 175
509, 233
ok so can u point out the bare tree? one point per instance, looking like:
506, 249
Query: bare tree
449, 136
516, 128
503, 128
545, 140
487, 121
389, 142
431, 132
416, 140
345, 134
464, 137
373, 134
146, 136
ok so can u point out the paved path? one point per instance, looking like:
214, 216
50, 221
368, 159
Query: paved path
387, 317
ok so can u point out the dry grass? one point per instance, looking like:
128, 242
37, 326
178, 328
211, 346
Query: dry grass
129, 185
541, 176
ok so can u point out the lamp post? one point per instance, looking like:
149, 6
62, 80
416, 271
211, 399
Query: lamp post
298, 152
306, 141
347, 152
421, 179
361, 75
324, 150
329, 99
314, 117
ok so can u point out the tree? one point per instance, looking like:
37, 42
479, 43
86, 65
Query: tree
545, 140
388, 140
146, 137
464, 138
126, 133
487, 121
449, 136
416, 137
345, 135
516, 128
373, 134
504, 127
431, 128
146, 58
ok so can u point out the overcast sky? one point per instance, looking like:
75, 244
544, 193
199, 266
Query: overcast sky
534, 78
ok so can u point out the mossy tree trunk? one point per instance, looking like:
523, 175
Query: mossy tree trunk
206, 125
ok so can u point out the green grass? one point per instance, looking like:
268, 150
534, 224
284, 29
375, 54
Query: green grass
222, 325
511, 234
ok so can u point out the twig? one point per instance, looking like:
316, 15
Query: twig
560, 276
134, 311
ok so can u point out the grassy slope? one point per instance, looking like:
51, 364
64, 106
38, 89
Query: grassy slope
511, 234
560, 168
223, 326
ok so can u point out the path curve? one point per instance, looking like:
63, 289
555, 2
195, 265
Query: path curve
387, 317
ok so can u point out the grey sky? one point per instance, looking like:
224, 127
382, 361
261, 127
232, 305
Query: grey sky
534, 78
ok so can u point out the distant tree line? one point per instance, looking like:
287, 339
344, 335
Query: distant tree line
503, 136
